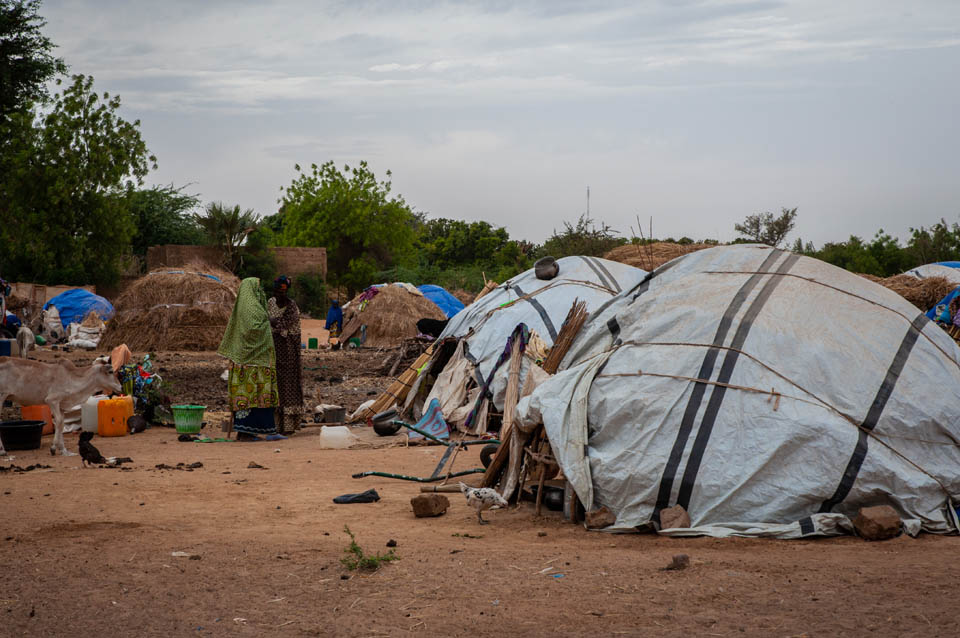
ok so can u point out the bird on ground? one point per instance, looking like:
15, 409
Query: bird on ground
482, 498
90, 454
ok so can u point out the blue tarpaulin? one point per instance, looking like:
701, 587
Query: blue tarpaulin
449, 304
951, 264
73, 306
941, 311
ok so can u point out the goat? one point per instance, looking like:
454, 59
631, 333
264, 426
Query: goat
25, 340
59, 385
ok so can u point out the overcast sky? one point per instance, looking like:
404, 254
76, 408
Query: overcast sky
694, 112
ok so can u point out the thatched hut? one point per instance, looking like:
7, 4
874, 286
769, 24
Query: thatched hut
390, 314
173, 309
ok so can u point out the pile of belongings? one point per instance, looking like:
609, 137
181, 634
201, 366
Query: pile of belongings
87, 333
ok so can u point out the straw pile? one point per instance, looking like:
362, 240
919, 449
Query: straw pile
391, 316
652, 255
173, 309
922, 293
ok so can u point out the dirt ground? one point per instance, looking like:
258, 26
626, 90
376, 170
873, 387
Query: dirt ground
89, 552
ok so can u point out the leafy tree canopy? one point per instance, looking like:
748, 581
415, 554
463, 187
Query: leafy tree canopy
25, 60
163, 215
764, 228
63, 179
364, 228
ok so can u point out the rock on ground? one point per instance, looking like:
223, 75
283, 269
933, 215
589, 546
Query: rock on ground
877, 523
426, 505
600, 518
673, 517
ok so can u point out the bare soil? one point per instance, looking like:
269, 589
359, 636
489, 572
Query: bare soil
89, 552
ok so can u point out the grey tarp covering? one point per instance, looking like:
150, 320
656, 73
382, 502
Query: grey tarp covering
935, 270
756, 387
591, 279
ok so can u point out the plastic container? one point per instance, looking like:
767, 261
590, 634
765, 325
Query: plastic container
188, 419
313, 343
112, 415
336, 437
21, 435
38, 413
9, 348
89, 421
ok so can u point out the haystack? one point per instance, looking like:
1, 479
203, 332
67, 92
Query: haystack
390, 317
653, 255
173, 309
922, 293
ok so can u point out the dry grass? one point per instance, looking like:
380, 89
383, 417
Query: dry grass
391, 316
166, 310
652, 255
922, 293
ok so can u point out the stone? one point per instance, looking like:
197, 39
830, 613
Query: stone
426, 505
600, 518
673, 517
877, 523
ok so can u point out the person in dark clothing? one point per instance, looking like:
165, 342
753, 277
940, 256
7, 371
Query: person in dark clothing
285, 324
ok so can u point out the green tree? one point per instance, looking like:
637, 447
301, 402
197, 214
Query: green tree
63, 178
226, 227
940, 242
364, 228
584, 238
26, 64
163, 215
764, 228
257, 258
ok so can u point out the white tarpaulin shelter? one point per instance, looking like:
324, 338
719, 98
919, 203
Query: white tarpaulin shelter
935, 270
484, 326
765, 392
541, 304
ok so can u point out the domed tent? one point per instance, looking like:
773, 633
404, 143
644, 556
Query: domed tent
765, 392
946, 269
474, 338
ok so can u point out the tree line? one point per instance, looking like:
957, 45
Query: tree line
75, 209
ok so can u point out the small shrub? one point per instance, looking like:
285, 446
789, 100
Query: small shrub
356, 559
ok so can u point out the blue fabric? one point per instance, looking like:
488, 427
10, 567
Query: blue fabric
432, 423
73, 306
950, 264
334, 317
449, 304
941, 311
13, 320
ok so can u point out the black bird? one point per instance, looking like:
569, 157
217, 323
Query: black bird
89, 453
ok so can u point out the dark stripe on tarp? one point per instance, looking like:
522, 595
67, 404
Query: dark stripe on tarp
874, 413
644, 285
614, 327
806, 526
706, 371
726, 373
540, 311
603, 280
613, 280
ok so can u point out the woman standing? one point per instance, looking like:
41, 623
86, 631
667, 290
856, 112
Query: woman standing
252, 381
285, 323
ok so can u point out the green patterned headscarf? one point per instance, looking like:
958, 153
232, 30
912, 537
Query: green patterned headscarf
248, 340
